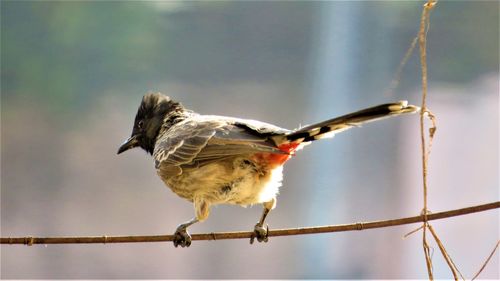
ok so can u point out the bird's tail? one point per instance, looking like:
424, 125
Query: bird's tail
330, 127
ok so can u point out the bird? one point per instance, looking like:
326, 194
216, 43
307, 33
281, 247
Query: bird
211, 159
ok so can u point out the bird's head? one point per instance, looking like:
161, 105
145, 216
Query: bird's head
149, 120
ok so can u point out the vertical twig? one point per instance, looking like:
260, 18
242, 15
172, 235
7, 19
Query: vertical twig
424, 23
424, 27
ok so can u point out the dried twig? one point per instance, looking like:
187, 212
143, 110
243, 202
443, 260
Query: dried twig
247, 234
487, 260
445, 254
397, 76
424, 25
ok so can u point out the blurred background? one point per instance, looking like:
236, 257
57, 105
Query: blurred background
72, 77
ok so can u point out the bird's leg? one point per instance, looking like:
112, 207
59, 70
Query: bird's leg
260, 232
202, 209
181, 236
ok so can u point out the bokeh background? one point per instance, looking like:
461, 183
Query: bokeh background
73, 74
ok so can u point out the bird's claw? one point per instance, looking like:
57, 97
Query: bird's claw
260, 233
182, 237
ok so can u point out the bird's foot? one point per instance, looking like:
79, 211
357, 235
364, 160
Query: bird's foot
182, 237
260, 233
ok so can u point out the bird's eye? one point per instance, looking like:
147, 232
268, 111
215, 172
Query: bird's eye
140, 124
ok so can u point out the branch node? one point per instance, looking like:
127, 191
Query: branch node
425, 212
430, 4
359, 226
29, 240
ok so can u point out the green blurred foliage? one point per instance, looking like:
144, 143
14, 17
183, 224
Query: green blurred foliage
466, 45
66, 53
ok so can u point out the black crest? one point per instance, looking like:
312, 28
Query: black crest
155, 112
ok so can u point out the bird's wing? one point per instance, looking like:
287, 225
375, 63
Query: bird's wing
199, 140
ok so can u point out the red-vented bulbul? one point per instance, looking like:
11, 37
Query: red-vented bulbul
209, 159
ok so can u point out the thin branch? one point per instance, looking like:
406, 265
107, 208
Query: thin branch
487, 260
446, 256
412, 232
247, 234
397, 76
422, 36
428, 259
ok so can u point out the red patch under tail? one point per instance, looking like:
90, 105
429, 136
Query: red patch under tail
274, 159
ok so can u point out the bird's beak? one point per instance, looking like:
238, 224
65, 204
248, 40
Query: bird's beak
128, 144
